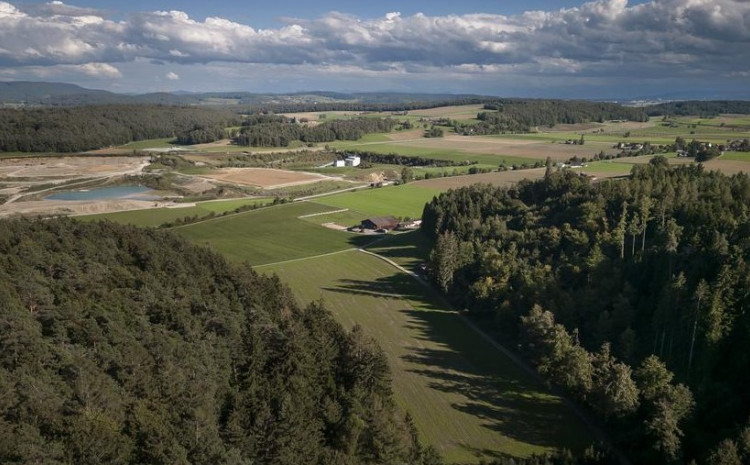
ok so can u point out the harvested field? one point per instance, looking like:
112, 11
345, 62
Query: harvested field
727, 166
498, 178
266, 178
483, 149
510, 147
453, 112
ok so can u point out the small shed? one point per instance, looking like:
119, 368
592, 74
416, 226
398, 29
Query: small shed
339, 163
381, 222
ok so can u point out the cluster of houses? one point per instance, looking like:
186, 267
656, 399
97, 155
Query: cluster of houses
701, 147
351, 160
629, 146
737, 145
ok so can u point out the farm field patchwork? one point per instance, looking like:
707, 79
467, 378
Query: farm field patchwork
467, 399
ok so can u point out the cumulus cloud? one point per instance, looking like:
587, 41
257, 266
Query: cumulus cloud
599, 38
172, 76
104, 70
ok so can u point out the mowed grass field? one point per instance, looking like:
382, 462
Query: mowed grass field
153, 217
468, 400
400, 201
273, 234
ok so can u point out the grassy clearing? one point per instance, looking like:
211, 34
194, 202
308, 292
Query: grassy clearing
609, 166
271, 234
401, 201
153, 217
466, 397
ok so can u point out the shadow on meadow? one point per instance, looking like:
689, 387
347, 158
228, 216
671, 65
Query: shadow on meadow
457, 360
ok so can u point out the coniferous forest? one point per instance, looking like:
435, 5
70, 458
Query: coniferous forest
123, 345
631, 295
77, 129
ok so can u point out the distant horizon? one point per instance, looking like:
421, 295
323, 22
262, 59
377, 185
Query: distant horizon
602, 49
675, 96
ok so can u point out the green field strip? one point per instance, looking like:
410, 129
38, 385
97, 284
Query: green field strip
271, 234
467, 398
736, 156
407, 200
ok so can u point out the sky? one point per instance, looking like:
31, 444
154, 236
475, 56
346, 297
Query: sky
612, 49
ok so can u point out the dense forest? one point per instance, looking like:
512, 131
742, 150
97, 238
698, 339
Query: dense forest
514, 115
707, 108
77, 129
632, 295
120, 345
279, 131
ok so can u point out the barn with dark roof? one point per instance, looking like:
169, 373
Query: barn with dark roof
380, 222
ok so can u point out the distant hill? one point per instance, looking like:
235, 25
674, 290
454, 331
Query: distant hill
54, 93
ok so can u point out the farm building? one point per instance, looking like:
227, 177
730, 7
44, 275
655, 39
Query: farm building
339, 163
382, 222
352, 160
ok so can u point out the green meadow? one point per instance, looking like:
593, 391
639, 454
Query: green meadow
270, 235
406, 200
467, 398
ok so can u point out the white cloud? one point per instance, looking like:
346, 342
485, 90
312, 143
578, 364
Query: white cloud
104, 70
604, 38
172, 76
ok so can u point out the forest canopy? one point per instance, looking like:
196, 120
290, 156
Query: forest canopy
119, 345
630, 294
77, 129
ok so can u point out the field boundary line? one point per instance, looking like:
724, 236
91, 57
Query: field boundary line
310, 215
598, 432
325, 194
306, 258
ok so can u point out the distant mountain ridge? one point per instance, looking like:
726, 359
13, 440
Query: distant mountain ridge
28, 93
